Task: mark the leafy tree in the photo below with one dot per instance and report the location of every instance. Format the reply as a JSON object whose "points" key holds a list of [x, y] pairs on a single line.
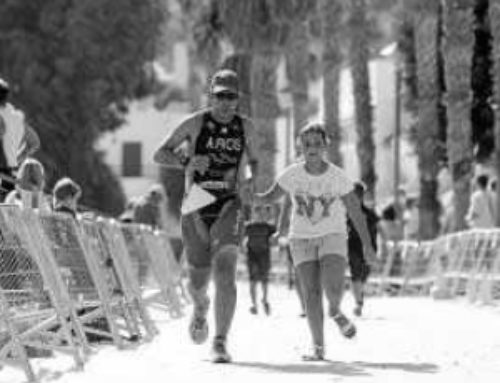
{"points": [[74, 65]]}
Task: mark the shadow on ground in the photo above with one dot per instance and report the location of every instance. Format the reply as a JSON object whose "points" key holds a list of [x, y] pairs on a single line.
{"points": [[340, 368]]}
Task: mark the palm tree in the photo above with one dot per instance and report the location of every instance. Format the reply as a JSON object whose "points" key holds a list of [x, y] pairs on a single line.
{"points": [[494, 16], [331, 13], [203, 34], [265, 110], [253, 28], [299, 17], [359, 58], [426, 23], [458, 51]]}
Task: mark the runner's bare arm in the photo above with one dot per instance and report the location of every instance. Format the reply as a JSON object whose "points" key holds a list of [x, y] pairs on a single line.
{"points": [[169, 153], [274, 193]]}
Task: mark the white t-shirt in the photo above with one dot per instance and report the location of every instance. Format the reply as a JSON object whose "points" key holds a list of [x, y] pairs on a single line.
{"points": [[14, 132], [317, 209]]}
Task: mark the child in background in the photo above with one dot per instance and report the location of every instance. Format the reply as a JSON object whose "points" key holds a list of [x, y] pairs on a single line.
{"points": [[321, 195], [257, 235], [65, 196]]}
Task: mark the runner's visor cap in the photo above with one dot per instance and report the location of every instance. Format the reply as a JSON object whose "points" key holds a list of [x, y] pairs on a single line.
{"points": [[224, 81]]}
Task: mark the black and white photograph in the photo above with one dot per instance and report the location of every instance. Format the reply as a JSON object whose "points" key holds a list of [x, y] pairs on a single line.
{"points": [[249, 191]]}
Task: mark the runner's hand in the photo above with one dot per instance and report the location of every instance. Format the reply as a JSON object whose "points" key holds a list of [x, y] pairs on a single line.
{"points": [[198, 164]]}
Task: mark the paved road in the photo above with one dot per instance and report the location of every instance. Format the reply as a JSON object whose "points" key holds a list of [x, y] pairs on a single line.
{"points": [[399, 340]]}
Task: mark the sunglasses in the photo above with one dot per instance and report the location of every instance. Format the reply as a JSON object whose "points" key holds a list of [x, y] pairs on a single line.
{"points": [[226, 96]]}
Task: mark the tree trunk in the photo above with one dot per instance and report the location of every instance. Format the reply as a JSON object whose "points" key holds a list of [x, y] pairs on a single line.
{"points": [[459, 40], [297, 60], [426, 24], [241, 63], [359, 60], [265, 110], [494, 16], [331, 18]]}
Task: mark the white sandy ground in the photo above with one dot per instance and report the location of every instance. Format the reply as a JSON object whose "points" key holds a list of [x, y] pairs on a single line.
{"points": [[399, 340]]}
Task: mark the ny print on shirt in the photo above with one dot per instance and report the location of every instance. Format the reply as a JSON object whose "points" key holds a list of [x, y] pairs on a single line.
{"points": [[316, 200]]}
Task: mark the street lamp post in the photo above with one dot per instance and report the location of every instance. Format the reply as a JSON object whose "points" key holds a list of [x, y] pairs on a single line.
{"points": [[397, 139]]}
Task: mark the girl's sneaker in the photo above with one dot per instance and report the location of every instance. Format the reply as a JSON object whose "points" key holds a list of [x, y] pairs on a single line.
{"points": [[219, 351], [346, 327], [318, 354]]}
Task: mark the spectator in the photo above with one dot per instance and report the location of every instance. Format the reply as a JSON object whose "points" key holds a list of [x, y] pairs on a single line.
{"points": [[128, 214], [411, 219], [147, 208], [482, 208], [65, 196], [17, 141], [391, 232], [30, 183]]}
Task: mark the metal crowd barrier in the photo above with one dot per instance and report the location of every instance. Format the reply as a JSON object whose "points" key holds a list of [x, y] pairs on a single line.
{"points": [[64, 281], [459, 264], [38, 312]]}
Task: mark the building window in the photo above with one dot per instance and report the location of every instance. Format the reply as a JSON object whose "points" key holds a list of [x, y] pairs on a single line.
{"points": [[132, 159]]}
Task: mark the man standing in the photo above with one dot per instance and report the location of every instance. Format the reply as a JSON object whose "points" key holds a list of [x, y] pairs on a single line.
{"points": [[17, 141], [216, 140], [482, 208]]}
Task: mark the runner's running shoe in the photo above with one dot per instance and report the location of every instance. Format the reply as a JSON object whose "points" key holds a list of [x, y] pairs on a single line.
{"points": [[198, 328]]}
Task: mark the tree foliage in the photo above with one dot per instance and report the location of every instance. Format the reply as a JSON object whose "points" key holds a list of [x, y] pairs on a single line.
{"points": [[74, 65]]}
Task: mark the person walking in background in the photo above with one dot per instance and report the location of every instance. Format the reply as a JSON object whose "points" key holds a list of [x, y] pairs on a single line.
{"points": [[216, 140], [17, 141], [65, 196], [321, 194], [482, 207], [257, 237], [360, 270]]}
